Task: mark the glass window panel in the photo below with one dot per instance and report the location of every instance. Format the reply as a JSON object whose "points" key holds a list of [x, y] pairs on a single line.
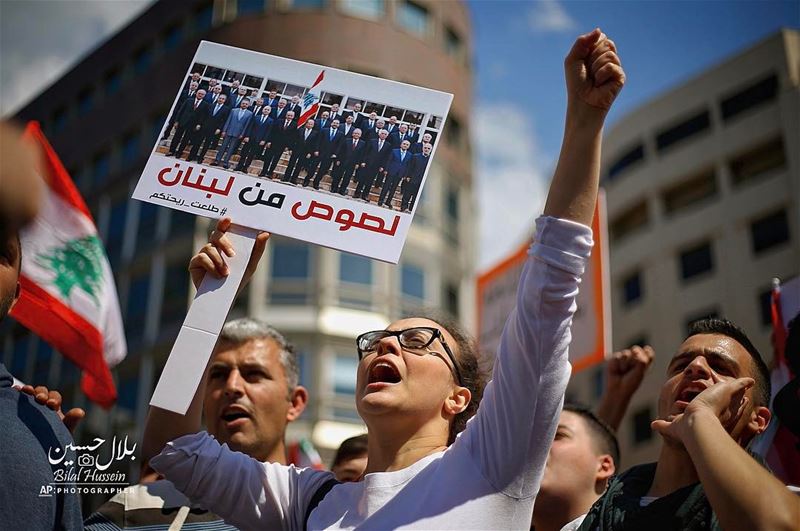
{"points": [[116, 231], [683, 131], [412, 281], [696, 261], [173, 37], [373, 9], [413, 17], [356, 269], [113, 82], [245, 7], [757, 94], [101, 168], [148, 217], [204, 17], [143, 59], [344, 375], [625, 161], [290, 261], [130, 148], [137, 307], [769, 231], [85, 101]]}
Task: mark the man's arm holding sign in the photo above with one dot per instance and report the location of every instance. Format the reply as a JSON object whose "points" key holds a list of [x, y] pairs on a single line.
{"points": [[162, 425]]}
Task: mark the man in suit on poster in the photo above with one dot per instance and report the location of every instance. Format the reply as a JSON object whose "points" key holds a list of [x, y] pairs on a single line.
{"points": [[347, 128], [241, 95], [272, 100], [411, 183], [187, 92], [396, 169], [212, 128], [279, 112], [255, 139], [258, 104], [413, 133], [358, 118], [323, 121], [190, 118], [335, 114], [378, 151], [417, 147], [330, 142], [391, 126], [232, 90], [302, 152], [213, 94], [295, 106], [232, 133], [351, 157], [282, 137], [368, 127], [194, 78], [400, 134]]}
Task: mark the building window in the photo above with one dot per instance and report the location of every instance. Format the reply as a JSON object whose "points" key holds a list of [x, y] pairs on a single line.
{"points": [[641, 425], [754, 95], [452, 43], [355, 269], [631, 220], [691, 191], [85, 100], [176, 293], [413, 17], [765, 306], [696, 261], [142, 59], [769, 231], [707, 314], [307, 4], [101, 167], [290, 261], [454, 132], [451, 299], [59, 119], [344, 375], [372, 9], [291, 272], [181, 223], [246, 7], [632, 288], [146, 232], [113, 82], [130, 148], [128, 391], [683, 131], [412, 282], [137, 307], [758, 162], [625, 161], [204, 17], [115, 234], [173, 36]]}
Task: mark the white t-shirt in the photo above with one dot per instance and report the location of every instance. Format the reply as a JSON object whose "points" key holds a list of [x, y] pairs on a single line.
{"points": [[487, 479]]}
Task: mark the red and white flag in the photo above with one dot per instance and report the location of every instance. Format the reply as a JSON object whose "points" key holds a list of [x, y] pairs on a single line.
{"points": [[311, 100], [303, 454], [778, 445], [68, 295]]}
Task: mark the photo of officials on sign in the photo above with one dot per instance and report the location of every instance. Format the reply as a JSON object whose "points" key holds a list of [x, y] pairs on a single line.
{"points": [[305, 141]]}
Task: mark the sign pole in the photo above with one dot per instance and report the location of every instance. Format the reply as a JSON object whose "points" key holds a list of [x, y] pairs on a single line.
{"points": [[198, 335]]}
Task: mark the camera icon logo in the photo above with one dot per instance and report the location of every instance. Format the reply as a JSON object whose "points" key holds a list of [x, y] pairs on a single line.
{"points": [[85, 460]]}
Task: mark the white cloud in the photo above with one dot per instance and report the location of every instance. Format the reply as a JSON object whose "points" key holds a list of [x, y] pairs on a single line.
{"points": [[549, 16], [33, 55], [512, 179]]}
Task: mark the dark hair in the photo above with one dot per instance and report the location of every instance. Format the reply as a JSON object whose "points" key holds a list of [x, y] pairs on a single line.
{"points": [[350, 449], [466, 354], [725, 327], [602, 434]]}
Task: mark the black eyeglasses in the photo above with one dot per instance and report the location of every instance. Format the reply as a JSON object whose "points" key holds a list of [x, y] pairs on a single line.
{"points": [[416, 340]]}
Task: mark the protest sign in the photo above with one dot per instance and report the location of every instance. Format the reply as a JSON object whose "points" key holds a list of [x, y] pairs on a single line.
{"points": [[347, 180], [340, 191], [591, 325]]}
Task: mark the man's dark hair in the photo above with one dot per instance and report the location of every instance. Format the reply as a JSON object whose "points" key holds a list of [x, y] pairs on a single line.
{"points": [[350, 449], [602, 434], [725, 327], [466, 354]]}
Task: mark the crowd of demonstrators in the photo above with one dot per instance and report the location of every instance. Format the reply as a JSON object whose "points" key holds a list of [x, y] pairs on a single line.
{"points": [[418, 382], [349, 147]]}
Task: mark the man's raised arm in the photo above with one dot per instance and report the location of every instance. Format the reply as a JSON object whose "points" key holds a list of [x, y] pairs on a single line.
{"points": [[594, 77]]}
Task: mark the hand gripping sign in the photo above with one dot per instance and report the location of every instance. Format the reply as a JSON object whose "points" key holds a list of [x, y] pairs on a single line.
{"points": [[310, 152]]}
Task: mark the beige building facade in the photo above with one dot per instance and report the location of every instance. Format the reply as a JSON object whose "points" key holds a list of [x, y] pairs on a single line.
{"points": [[703, 188]]}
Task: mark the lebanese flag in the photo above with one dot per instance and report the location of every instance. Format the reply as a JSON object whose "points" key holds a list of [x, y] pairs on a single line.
{"points": [[777, 444], [303, 454], [311, 101], [68, 295]]}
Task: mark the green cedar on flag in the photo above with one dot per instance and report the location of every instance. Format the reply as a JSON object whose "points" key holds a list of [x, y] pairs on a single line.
{"points": [[68, 295]]}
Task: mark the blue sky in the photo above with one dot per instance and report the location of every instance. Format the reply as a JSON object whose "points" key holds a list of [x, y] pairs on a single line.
{"points": [[519, 47], [519, 50]]}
